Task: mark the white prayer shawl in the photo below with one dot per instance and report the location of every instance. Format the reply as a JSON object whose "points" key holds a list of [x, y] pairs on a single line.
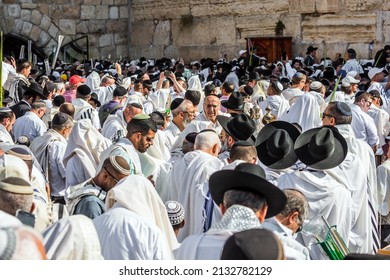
{"points": [[197, 125], [172, 132], [12, 85], [350, 174], [383, 172], [5, 137], [84, 110], [158, 149], [105, 94], [93, 81], [363, 126], [209, 245], [291, 94], [8, 72], [161, 98], [320, 100], [277, 103], [200, 166], [326, 197], [305, 112], [82, 155], [142, 199], [381, 120], [72, 238], [125, 149], [115, 126], [366, 154]]}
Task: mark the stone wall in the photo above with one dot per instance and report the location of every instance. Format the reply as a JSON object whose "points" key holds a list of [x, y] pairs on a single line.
{"points": [[220, 27], [106, 22], [197, 28]]}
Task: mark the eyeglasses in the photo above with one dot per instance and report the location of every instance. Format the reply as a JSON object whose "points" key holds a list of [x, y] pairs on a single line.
{"points": [[112, 176], [369, 102], [326, 115]]}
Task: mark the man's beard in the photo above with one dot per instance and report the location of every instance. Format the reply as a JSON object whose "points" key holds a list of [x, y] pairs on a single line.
{"points": [[186, 121]]}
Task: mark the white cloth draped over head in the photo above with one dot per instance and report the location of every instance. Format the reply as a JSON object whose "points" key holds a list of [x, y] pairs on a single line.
{"points": [[93, 81], [305, 112], [82, 154], [277, 103], [72, 238], [137, 194], [194, 83]]}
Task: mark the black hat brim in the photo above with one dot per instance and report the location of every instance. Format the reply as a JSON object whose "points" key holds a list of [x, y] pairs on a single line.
{"points": [[225, 103], [301, 148], [225, 180], [262, 150]]}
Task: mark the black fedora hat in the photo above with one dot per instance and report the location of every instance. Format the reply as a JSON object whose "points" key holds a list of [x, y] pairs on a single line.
{"points": [[310, 49], [235, 102], [275, 144], [35, 89], [248, 177], [241, 127], [321, 148]]}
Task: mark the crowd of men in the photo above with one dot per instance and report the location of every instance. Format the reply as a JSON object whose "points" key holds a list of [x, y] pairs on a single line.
{"points": [[159, 159]]}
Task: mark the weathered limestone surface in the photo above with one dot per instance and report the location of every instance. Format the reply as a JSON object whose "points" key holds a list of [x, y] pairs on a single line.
{"points": [[197, 28]]}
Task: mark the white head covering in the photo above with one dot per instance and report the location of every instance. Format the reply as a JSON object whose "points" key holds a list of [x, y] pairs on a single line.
{"points": [[305, 112], [93, 81], [86, 142], [137, 194], [72, 238]]}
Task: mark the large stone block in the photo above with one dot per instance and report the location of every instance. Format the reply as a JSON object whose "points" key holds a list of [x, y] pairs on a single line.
{"points": [[70, 12], [14, 11], [102, 12], [92, 2], [106, 40], [114, 26], [25, 15], [36, 17], [124, 12], [17, 26], [97, 26], [120, 39], [88, 12], [108, 51], [314, 6], [29, 6], [56, 11], [334, 28], [35, 32], [43, 8], [120, 2], [53, 31], [142, 33], [363, 5], [26, 29], [121, 51], [113, 12], [82, 27], [148, 52], [162, 33], [45, 23], [68, 26]]}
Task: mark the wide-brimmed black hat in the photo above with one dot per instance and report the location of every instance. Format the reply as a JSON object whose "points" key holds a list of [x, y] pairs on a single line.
{"points": [[35, 89], [235, 102], [310, 49], [275, 144], [241, 127], [321, 148], [247, 177], [95, 98]]}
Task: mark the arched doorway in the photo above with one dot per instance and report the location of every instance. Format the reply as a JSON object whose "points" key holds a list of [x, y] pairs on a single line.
{"points": [[13, 44]]}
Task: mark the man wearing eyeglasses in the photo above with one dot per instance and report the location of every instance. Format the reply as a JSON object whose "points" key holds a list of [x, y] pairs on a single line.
{"points": [[289, 222], [88, 198], [362, 124]]}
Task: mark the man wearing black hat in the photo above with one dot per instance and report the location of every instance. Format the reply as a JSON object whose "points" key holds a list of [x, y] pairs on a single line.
{"points": [[84, 110], [245, 199], [240, 127], [31, 94], [234, 105], [310, 56], [339, 114], [320, 149]]}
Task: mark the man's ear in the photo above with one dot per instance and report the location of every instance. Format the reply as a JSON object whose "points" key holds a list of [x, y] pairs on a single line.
{"points": [[293, 217], [215, 149], [32, 207]]}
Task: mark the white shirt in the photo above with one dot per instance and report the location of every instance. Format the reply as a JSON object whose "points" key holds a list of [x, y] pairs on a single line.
{"points": [[352, 65], [5, 137], [29, 125], [363, 126], [172, 132]]}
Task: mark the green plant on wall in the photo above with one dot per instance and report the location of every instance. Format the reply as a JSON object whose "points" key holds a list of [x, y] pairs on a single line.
{"points": [[279, 28]]}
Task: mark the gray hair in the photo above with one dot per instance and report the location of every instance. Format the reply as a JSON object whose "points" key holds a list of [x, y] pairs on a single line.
{"points": [[205, 140], [58, 86], [183, 107], [251, 200], [296, 202]]}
